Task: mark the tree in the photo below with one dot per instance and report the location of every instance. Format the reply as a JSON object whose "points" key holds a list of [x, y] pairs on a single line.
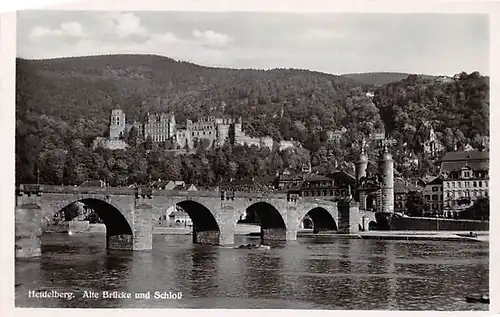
{"points": [[416, 204], [132, 137], [480, 210]]}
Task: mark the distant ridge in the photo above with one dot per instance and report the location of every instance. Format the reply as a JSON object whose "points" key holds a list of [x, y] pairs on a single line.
{"points": [[380, 78]]}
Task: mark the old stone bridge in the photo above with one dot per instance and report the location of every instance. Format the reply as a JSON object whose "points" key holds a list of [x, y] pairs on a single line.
{"points": [[130, 214]]}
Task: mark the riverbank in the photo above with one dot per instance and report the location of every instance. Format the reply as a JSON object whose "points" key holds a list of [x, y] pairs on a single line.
{"points": [[247, 230], [482, 236]]}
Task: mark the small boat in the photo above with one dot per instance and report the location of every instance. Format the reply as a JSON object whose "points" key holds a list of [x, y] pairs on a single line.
{"points": [[254, 247], [476, 298], [468, 235]]}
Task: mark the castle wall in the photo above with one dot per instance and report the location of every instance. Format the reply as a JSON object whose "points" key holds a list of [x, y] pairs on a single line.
{"points": [[159, 127], [162, 128], [112, 144]]}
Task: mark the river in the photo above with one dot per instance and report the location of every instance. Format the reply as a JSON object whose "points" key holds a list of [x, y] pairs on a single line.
{"points": [[310, 273]]}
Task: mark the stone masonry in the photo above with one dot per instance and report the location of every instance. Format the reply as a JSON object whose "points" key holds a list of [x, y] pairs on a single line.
{"points": [[129, 214]]}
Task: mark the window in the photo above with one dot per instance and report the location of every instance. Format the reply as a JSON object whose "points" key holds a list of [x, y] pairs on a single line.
{"points": [[434, 197], [459, 184], [474, 184], [428, 197], [434, 188], [480, 184]]}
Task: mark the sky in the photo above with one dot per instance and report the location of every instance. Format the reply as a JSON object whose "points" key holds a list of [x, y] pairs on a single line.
{"points": [[336, 43]]}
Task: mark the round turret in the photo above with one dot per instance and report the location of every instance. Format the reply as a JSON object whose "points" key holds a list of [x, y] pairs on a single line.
{"points": [[386, 156], [362, 158], [361, 165], [386, 171]]}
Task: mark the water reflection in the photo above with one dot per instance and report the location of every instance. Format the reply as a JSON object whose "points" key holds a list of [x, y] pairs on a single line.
{"points": [[314, 273]]}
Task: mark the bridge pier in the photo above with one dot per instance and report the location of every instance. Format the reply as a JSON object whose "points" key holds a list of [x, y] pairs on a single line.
{"points": [[223, 236], [206, 237], [28, 231], [142, 231], [120, 242], [291, 234], [349, 217], [273, 234]]}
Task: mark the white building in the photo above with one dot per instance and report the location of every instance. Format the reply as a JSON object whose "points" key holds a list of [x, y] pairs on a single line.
{"points": [[465, 179]]}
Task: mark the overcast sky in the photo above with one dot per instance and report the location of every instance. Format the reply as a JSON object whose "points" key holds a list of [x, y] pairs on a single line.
{"points": [[334, 43]]}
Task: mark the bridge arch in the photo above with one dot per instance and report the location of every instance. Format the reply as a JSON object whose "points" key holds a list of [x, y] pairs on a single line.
{"points": [[322, 220], [272, 221], [202, 217], [268, 215], [116, 223]]}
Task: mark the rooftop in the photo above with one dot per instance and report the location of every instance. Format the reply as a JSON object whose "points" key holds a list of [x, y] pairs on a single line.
{"points": [[402, 186], [455, 166], [178, 214], [465, 156]]}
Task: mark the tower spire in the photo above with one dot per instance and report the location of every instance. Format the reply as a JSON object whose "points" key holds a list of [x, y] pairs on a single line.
{"points": [[363, 146]]}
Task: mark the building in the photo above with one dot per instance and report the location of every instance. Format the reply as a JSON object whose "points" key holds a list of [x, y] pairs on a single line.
{"points": [[159, 127], [402, 188], [432, 146], [212, 129], [337, 135], [162, 127], [465, 179], [338, 185], [433, 196], [180, 217], [117, 124], [166, 185], [376, 192]]}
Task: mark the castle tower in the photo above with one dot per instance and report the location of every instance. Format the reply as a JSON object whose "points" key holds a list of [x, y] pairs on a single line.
{"points": [[386, 174], [361, 163], [172, 126], [117, 124]]}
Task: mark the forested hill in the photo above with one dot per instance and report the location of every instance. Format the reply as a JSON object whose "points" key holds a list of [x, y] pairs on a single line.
{"points": [[87, 88], [63, 104], [380, 78], [457, 108]]}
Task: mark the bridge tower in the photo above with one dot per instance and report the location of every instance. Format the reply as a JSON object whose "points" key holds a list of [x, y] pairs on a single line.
{"points": [[386, 174], [361, 163]]}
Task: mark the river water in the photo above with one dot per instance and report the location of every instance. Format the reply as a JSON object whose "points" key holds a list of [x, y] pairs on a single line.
{"points": [[310, 273]]}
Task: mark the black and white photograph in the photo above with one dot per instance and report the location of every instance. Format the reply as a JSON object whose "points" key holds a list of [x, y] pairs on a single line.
{"points": [[252, 160]]}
